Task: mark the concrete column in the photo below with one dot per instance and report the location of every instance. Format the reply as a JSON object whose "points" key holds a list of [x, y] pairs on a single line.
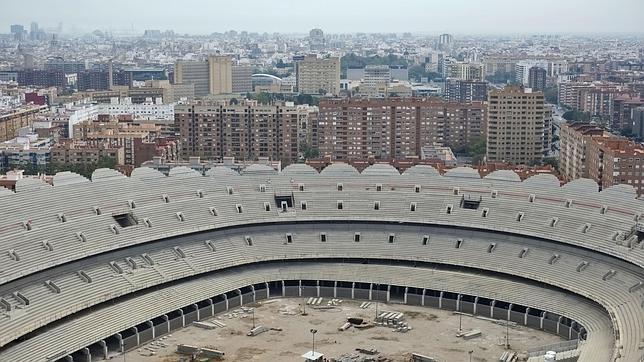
{"points": [[388, 293], [492, 308], [371, 291], [136, 333], [509, 309], [353, 287], [69, 358], [458, 302], [283, 289], [120, 339], [88, 355], [525, 319], [151, 325], [268, 291], [226, 300], [241, 300], [570, 330], [542, 319], [183, 318], [197, 309], [167, 322], [406, 290], [317, 286], [252, 289], [103, 345], [212, 307], [476, 304], [422, 299], [335, 289], [559, 323], [440, 301], [299, 289]]}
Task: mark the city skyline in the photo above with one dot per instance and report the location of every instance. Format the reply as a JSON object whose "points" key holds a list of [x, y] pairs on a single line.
{"points": [[457, 17]]}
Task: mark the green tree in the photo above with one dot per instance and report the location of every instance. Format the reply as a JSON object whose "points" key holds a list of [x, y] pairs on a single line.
{"points": [[551, 94], [576, 115], [308, 151]]}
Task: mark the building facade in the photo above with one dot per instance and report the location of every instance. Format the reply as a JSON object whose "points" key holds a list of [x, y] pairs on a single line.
{"points": [[573, 139], [537, 78], [516, 126], [360, 128], [612, 160], [246, 132], [318, 75], [457, 90]]}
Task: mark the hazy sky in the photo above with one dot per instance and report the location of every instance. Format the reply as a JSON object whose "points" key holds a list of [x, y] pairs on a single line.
{"points": [[333, 16]]}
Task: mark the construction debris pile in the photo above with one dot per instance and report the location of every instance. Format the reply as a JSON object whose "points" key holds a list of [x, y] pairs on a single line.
{"points": [[204, 352], [153, 346], [362, 355], [393, 320]]}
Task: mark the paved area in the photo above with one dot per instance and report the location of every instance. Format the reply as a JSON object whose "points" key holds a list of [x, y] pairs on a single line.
{"points": [[433, 333]]}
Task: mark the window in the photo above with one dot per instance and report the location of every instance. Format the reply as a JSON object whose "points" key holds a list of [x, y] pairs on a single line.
{"points": [[417, 188], [459, 243], [229, 190], [339, 186], [449, 209], [520, 216], [62, 218], [376, 205], [267, 206], [323, 237], [165, 198], [391, 239], [532, 197], [300, 187], [340, 205], [356, 237], [523, 253], [249, 240], [491, 247], [125, 220], [200, 194], [262, 188], [485, 212], [131, 204], [495, 194], [303, 205], [378, 187], [289, 238], [213, 211], [180, 216], [412, 207], [425, 239], [239, 208]]}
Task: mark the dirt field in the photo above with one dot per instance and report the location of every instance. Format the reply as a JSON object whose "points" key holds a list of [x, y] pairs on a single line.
{"points": [[432, 334]]}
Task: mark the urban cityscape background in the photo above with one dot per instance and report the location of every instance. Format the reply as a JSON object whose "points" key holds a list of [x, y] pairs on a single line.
{"points": [[556, 101]]}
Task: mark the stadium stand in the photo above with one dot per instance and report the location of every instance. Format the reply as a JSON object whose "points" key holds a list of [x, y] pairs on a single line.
{"points": [[566, 259]]}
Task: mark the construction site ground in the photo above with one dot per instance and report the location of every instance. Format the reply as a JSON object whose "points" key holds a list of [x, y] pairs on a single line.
{"points": [[433, 334]]}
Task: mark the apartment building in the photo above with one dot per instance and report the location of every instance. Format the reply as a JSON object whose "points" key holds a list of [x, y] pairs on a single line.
{"points": [[80, 152], [458, 90], [318, 75], [360, 128], [612, 160], [242, 81], [517, 126], [465, 71], [246, 132], [196, 73], [11, 122], [573, 141]]}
